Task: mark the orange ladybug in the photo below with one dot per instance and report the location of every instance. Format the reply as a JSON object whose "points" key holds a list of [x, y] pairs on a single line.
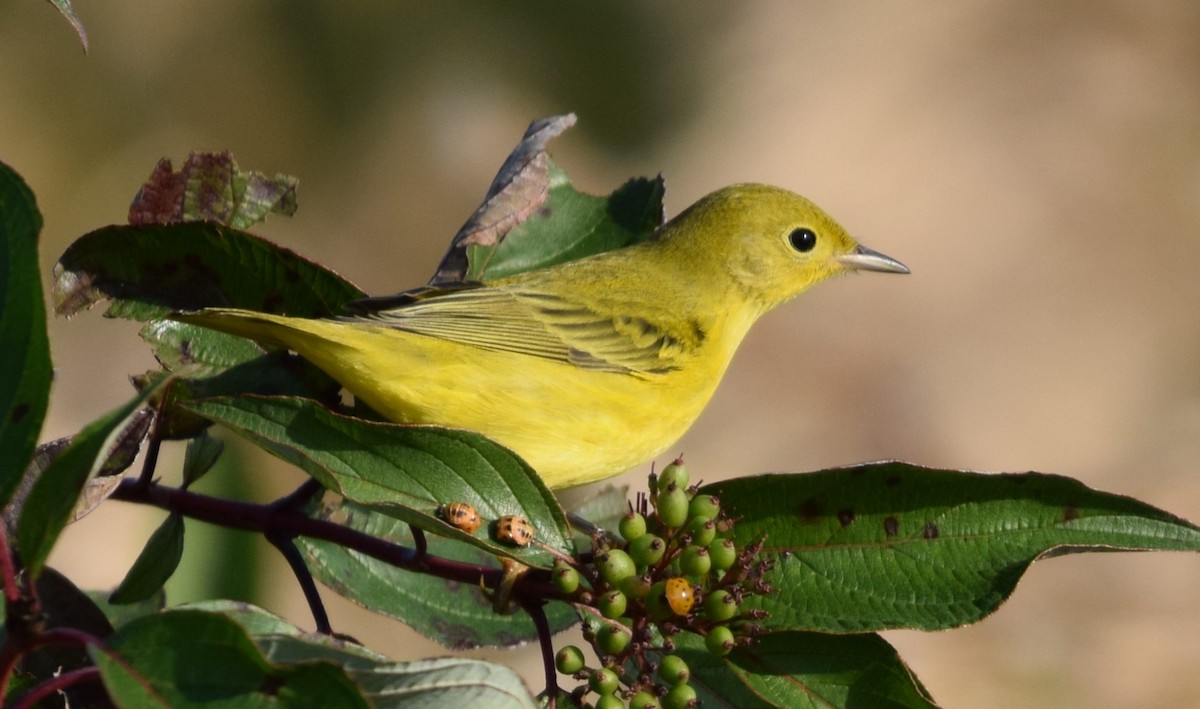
{"points": [[461, 515], [680, 595], [514, 530]]}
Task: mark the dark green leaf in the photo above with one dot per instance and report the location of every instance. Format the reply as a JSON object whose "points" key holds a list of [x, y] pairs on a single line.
{"points": [[572, 225], [406, 472], [893, 545], [25, 376], [148, 271], [120, 615], [186, 658], [456, 615], [201, 455], [797, 669], [52, 500], [211, 187], [154, 565]]}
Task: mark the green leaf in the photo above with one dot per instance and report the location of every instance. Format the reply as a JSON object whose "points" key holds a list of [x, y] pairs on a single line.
{"points": [[387, 685], [406, 472], [201, 455], [148, 271], [572, 225], [184, 658], [454, 614], [798, 669], [211, 187], [156, 563], [53, 497], [25, 376], [893, 545]]}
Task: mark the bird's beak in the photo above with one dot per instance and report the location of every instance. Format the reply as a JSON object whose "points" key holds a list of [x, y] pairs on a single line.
{"points": [[864, 259]]}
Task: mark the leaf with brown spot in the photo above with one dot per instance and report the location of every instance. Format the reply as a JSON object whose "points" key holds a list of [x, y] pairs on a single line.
{"points": [[211, 187], [533, 217], [943, 549]]}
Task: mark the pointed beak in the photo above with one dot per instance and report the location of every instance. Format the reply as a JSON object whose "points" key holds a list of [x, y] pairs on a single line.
{"points": [[864, 259]]}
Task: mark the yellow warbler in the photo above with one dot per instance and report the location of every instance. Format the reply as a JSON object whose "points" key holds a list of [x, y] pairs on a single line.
{"points": [[590, 367]]}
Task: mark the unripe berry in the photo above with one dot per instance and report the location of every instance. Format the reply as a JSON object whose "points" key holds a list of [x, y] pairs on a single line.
{"points": [[569, 660], [672, 507], [644, 700], [615, 565], [612, 604], [566, 579], [722, 553], [632, 526], [612, 640], [703, 531], [635, 587], [695, 561], [704, 506], [719, 640], [681, 696], [604, 681], [674, 474], [673, 670], [610, 701], [647, 549], [720, 606]]}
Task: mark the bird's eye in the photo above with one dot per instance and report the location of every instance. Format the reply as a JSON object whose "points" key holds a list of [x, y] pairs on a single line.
{"points": [[803, 240]]}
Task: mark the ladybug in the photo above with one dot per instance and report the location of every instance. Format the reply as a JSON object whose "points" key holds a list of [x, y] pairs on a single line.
{"points": [[460, 515], [680, 595], [514, 530]]}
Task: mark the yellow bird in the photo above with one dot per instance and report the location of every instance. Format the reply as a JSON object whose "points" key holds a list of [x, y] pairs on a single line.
{"points": [[590, 367]]}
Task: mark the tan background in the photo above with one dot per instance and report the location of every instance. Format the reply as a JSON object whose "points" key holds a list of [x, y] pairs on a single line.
{"points": [[1035, 164]]}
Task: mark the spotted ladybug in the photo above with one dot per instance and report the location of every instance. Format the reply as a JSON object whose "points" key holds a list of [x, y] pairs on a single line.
{"points": [[461, 515], [680, 595], [514, 530]]}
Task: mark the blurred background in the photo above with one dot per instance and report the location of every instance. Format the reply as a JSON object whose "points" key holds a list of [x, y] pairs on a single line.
{"points": [[1035, 164]]}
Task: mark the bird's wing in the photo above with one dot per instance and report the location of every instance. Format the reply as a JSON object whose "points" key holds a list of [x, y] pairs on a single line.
{"points": [[539, 324]]}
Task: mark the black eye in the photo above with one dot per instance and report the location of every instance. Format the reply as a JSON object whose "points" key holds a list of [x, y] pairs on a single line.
{"points": [[803, 240]]}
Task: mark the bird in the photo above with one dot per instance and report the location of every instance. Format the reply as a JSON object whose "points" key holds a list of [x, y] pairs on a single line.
{"points": [[587, 368]]}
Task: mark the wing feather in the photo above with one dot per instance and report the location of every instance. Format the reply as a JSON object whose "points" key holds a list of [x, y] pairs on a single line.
{"points": [[538, 324]]}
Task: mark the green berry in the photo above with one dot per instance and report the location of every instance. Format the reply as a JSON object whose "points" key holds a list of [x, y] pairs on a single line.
{"points": [[644, 700], [722, 553], [615, 565], [695, 561], [610, 701], [656, 602], [647, 549], [674, 474], [681, 696], [612, 639], [704, 506], [566, 579], [612, 604], [719, 640], [672, 507], [604, 681], [632, 526], [673, 670], [569, 660], [635, 587], [720, 606], [703, 531]]}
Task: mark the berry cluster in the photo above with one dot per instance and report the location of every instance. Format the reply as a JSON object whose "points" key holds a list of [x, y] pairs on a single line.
{"points": [[674, 570]]}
